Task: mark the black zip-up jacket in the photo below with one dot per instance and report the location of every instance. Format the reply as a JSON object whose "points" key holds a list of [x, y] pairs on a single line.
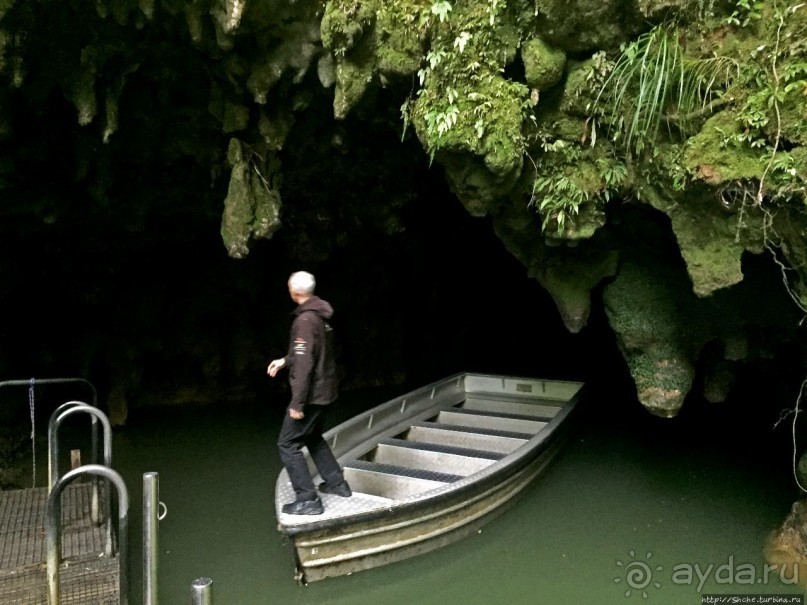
{"points": [[311, 360]]}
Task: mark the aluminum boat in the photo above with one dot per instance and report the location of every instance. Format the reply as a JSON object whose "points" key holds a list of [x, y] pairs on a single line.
{"points": [[427, 468]]}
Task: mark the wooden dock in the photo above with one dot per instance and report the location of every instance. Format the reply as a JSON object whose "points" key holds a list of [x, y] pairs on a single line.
{"points": [[87, 576]]}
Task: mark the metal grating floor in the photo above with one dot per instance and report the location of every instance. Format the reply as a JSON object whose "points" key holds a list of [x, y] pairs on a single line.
{"points": [[90, 582], [87, 578]]}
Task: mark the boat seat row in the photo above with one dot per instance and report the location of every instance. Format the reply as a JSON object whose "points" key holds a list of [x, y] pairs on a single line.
{"points": [[484, 420]]}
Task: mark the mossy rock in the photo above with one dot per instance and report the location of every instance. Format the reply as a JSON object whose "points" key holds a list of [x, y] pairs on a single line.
{"points": [[579, 95], [251, 208], [352, 80], [543, 64], [399, 44], [345, 22], [584, 26], [714, 157], [657, 319], [793, 115]]}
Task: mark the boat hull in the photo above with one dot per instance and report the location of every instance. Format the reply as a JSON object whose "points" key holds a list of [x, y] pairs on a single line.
{"points": [[404, 534], [370, 530]]}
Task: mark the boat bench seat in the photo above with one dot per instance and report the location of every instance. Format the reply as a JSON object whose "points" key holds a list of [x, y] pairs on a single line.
{"points": [[434, 457], [390, 481], [391, 469], [475, 430], [490, 420], [515, 398], [486, 440], [538, 409], [443, 449]]}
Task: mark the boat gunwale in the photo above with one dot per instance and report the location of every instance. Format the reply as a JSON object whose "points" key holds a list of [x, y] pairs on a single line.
{"points": [[481, 480]]}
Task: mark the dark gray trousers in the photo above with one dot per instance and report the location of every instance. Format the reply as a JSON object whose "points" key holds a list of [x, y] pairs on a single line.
{"points": [[294, 434]]}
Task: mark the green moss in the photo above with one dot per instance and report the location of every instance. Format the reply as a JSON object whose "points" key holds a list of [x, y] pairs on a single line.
{"points": [[352, 79], [345, 22], [714, 156], [658, 329], [793, 115], [251, 208], [399, 39], [543, 64]]}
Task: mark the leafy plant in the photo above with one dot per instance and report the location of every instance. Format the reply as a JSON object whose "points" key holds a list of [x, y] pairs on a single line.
{"points": [[567, 180], [746, 11], [654, 82], [441, 8]]}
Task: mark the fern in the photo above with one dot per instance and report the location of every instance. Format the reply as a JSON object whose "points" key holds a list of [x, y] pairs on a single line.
{"points": [[654, 82]]}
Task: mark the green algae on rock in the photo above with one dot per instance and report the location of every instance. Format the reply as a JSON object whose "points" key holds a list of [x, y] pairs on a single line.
{"points": [[252, 206]]}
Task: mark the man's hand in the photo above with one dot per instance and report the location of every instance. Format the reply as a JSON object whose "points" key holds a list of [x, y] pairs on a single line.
{"points": [[275, 367], [296, 414]]}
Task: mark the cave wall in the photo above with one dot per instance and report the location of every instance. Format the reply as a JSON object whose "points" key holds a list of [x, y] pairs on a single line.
{"points": [[147, 303]]}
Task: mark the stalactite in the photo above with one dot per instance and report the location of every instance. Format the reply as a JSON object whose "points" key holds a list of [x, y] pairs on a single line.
{"points": [[82, 95], [193, 18], [235, 9], [147, 7], [252, 205], [3, 44]]}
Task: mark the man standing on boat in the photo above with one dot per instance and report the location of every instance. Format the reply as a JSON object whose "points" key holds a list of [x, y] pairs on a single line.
{"points": [[312, 375]]}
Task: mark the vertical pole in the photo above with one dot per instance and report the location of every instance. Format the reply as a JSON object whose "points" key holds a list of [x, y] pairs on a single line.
{"points": [[95, 514], [151, 542], [202, 591], [53, 544], [75, 459]]}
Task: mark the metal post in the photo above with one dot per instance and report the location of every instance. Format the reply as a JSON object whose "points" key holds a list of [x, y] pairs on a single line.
{"points": [[151, 541], [202, 591]]}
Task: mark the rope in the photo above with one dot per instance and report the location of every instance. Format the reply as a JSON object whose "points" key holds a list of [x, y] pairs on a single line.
{"points": [[33, 430]]}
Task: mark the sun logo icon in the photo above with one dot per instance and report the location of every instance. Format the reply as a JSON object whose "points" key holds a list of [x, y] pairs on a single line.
{"points": [[638, 574]]}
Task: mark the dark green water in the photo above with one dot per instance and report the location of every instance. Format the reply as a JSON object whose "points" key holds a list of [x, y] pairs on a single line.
{"points": [[678, 496]]}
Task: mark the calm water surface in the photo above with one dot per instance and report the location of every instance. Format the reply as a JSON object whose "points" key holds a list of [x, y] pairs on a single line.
{"points": [[691, 500]]}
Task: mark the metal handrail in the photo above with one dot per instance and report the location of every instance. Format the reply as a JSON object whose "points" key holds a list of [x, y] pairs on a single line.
{"points": [[53, 536], [38, 381], [64, 411], [94, 427], [31, 384]]}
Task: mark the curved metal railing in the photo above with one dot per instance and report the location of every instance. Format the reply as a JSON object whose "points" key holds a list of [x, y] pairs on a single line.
{"points": [[59, 415], [53, 535]]}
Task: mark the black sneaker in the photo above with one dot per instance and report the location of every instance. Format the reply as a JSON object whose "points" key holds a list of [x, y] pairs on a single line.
{"points": [[304, 507], [343, 489]]}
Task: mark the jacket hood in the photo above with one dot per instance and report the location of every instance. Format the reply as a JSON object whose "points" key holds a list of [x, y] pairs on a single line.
{"points": [[316, 305]]}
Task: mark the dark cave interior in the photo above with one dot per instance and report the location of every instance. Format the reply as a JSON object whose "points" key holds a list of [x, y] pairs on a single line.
{"points": [[115, 271]]}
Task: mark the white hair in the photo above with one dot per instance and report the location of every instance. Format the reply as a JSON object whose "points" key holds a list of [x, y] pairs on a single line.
{"points": [[302, 282]]}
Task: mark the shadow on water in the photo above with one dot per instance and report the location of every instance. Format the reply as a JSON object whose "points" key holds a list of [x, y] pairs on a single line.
{"points": [[628, 492]]}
